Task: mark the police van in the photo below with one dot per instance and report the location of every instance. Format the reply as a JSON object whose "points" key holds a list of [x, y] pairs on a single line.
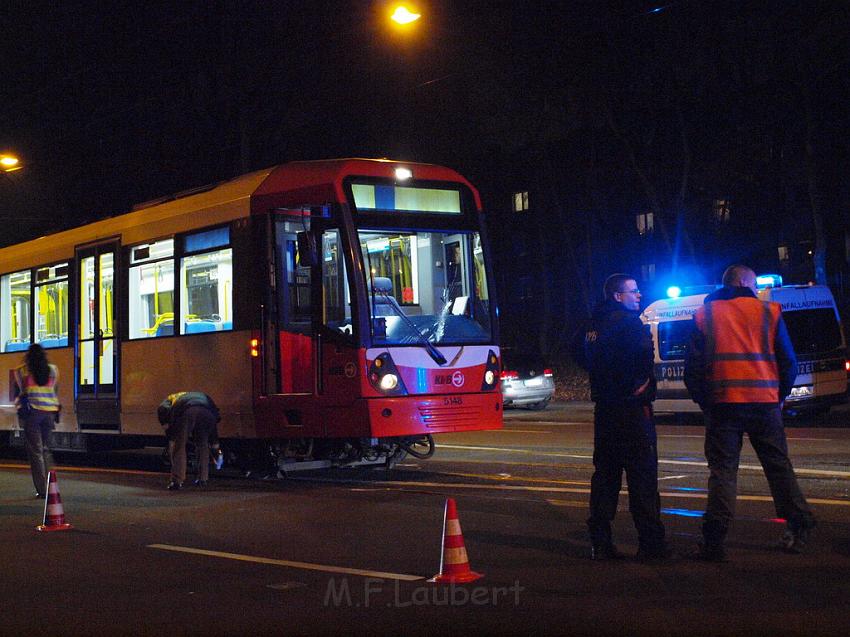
{"points": [[813, 324]]}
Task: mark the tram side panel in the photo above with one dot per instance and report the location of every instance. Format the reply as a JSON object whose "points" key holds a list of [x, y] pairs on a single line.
{"points": [[217, 363]]}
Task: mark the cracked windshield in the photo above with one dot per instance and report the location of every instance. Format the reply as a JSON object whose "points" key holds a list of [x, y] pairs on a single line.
{"points": [[426, 287]]}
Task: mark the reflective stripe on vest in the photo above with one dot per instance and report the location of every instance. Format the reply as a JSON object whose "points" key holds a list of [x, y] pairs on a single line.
{"points": [[739, 336], [41, 397]]}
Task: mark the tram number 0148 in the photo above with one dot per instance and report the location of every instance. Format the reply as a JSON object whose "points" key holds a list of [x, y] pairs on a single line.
{"points": [[671, 372], [452, 400]]}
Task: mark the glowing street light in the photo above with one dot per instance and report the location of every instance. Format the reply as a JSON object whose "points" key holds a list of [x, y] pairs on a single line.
{"points": [[403, 15], [9, 163]]}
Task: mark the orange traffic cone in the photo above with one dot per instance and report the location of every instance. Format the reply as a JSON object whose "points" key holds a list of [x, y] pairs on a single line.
{"points": [[454, 563], [54, 514]]}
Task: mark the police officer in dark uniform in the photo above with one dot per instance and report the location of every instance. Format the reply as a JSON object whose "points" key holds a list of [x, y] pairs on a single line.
{"points": [[617, 352], [185, 414]]}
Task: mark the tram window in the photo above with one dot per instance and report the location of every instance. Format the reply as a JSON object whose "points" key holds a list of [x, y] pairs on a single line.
{"points": [[336, 299], [394, 257], [151, 290], [480, 272], [51, 306], [206, 292], [15, 299]]}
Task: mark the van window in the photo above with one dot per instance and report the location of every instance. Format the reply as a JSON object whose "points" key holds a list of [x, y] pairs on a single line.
{"points": [[673, 338], [813, 331]]}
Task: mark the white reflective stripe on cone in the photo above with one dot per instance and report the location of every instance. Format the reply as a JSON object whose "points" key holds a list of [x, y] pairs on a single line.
{"points": [[455, 556]]}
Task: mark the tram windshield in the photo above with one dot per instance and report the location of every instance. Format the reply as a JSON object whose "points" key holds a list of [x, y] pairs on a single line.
{"points": [[426, 288]]}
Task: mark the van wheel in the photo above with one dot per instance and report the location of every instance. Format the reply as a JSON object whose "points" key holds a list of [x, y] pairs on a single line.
{"points": [[820, 415], [539, 406]]}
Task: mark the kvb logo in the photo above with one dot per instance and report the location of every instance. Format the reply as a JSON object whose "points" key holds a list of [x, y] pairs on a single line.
{"points": [[458, 379]]}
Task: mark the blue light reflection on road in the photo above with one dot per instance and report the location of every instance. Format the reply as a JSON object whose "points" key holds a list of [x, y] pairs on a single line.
{"points": [[688, 513]]}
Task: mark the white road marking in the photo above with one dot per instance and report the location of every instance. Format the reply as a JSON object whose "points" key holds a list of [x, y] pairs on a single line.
{"points": [[672, 477], [827, 473], [448, 486], [302, 565], [286, 586], [526, 451], [681, 435]]}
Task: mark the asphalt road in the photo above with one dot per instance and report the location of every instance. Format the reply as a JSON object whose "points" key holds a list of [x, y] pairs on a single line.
{"points": [[349, 551]]}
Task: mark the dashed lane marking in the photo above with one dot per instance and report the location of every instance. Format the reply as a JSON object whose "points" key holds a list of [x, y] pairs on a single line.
{"points": [[287, 563], [826, 473], [448, 486], [672, 477], [64, 469], [578, 504], [487, 476]]}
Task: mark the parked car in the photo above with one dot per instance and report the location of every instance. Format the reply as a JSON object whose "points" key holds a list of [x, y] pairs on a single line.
{"points": [[526, 384]]}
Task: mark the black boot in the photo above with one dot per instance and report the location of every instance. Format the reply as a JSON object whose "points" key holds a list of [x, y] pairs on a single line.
{"points": [[711, 547], [600, 551], [796, 536]]}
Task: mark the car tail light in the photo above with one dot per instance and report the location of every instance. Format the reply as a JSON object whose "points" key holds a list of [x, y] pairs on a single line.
{"points": [[847, 366], [547, 373], [509, 375]]}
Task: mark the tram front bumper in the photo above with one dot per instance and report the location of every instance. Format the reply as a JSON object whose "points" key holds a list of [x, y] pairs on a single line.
{"points": [[420, 415]]}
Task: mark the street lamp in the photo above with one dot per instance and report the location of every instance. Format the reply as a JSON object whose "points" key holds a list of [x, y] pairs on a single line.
{"points": [[9, 163], [404, 16]]}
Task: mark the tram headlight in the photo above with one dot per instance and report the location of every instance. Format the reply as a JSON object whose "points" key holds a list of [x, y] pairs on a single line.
{"points": [[389, 382], [384, 376], [491, 372]]}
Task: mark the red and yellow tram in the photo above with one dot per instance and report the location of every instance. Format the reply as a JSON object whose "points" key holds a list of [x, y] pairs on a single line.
{"points": [[338, 310]]}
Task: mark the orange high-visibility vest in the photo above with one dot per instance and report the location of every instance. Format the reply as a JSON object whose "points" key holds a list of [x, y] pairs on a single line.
{"points": [[739, 344]]}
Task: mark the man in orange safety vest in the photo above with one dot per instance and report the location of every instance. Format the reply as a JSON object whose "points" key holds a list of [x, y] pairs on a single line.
{"points": [[739, 368]]}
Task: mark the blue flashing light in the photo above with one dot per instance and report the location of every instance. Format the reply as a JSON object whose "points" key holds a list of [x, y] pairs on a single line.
{"points": [[769, 281], [674, 292]]}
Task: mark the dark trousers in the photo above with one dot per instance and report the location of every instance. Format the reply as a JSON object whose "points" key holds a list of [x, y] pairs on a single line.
{"points": [[37, 428], [624, 440], [199, 423], [725, 428]]}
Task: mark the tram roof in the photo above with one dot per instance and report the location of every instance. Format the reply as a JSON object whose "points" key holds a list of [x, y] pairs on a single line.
{"points": [[300, 182], [286, 185]]}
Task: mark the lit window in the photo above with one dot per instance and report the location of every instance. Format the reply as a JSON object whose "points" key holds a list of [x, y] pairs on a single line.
{"points": [[396, 257], [647, 272], [645, 223], [520, 201], [151, 290], [722, 211], [51, 306], [784, 254], [206, 292], [15, 296]]}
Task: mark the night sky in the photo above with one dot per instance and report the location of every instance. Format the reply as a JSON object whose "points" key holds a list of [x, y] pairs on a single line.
{"points": [[113, 103]]}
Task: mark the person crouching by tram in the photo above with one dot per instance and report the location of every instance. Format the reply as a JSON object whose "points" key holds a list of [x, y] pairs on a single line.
{"points": [[38, 407], [185, 414], [617, 351]]}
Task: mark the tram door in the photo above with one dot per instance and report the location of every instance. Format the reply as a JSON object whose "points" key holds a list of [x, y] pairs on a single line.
{"points": [[457, 276], [289, 367], [96, 347]]}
